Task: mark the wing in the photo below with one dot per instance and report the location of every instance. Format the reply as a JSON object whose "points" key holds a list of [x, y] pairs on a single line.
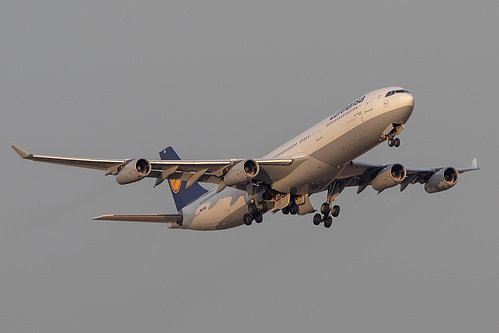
{"points": [[209, 171], [154, 218], [96, 164], [363, 174]]}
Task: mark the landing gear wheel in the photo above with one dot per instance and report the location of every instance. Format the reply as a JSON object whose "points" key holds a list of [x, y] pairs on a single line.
{"points": [[285, 210], [317, 219], [335, 211], [397, 142], [247, 219], [328, 222], [293, 209], [391, 142], [252, 209], [262, 206], [325, 209], [259, 217]]}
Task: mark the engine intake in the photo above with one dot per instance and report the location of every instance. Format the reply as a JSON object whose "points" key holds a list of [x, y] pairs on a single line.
{"points": [[390, 176], [442, 180], [242, 172], [134, 171]]}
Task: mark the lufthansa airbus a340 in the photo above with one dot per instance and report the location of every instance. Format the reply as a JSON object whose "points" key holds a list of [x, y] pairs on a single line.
{"points": [[320, 159]]}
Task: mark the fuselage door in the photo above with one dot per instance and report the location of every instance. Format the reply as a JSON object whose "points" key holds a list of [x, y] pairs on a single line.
{"points": [[369, 102], [318, 135]]}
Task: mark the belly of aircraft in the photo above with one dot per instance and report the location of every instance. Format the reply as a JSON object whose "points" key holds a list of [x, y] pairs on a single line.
{"points": [[224, 210], [325, 164]]}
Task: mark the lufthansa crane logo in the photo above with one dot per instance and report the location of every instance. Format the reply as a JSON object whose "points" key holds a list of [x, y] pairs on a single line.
{"points": [[175, 185]]}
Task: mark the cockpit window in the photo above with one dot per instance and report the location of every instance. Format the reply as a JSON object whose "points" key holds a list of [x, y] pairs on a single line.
{"points": [[393, 92]]}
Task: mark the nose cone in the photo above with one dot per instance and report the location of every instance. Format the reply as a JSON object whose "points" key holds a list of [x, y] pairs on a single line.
{"points": [[407, 100], [406, 107]]}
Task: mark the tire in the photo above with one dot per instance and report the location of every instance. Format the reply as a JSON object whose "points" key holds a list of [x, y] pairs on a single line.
{"points": [[317, 219], [259, 218], [285, 210], [397, 142], [247, 219], [252, 209], [325, 209], [328, 222], [262, 206], [335, 211], [390, 142], [294, 209]]}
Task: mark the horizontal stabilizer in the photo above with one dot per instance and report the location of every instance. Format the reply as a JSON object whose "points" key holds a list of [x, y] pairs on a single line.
{"points": [[153, 218]]}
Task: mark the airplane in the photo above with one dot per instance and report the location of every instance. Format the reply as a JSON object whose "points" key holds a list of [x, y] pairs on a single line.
{"points": [[321, 159]]}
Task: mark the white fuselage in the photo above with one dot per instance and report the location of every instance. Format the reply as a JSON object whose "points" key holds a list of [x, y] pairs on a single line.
{"points": [[319, 155]]}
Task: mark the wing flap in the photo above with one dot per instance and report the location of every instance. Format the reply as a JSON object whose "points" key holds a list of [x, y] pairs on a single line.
{"points": [[152, 218]]}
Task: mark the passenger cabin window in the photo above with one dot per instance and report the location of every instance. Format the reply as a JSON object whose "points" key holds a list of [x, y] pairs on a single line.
{"points": [[399, 91]]}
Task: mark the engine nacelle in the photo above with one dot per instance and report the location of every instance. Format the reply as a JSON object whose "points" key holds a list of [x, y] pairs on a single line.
{"points": [[390, 176], [134, 171], [442, 180], [241, 172]]}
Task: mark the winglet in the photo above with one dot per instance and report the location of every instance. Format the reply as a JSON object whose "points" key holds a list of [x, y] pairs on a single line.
{"points": [[21, 153], [474, 164]]}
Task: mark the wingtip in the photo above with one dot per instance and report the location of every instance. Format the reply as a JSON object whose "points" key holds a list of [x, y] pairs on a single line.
{"points": [[474, 164], [23, 154]]}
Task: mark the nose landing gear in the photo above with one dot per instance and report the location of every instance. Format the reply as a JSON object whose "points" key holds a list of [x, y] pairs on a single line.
{"points": [[394, 142], [391, 136]]}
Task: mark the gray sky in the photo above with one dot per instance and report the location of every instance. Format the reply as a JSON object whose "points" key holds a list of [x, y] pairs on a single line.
{"points": [[221, 79]]}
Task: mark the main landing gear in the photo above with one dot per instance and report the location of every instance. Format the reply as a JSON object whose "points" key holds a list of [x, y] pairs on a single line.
{"points": [[325, 217], [255, 212], [291, 209], [334, 189]]}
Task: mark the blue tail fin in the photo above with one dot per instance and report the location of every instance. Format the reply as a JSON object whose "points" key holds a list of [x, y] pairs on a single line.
{"points": [[182, 196]]}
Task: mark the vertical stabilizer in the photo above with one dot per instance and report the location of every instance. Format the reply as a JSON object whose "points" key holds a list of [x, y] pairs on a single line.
{"points": [[181, 195]]}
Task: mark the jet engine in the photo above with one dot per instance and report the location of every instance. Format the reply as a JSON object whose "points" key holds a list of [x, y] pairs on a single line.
{"points": [[134, 171], [442, 180], [390, 176], [241, 172]]}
